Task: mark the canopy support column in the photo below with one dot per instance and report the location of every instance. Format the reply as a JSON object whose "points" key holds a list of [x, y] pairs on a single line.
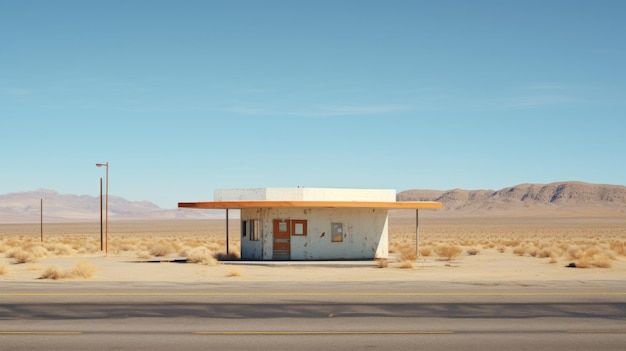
{"points": [[227, 246], [417, 233]]}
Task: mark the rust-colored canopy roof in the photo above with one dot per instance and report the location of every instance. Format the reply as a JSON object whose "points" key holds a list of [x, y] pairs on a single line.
{"points": [[312, 204]]}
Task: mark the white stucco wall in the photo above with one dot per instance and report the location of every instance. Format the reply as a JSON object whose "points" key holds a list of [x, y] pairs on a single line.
{"points": [[304, 194], [365, 233]]}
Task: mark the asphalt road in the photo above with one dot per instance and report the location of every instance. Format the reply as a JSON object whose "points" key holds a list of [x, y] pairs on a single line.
{"points": [[328, 316]]}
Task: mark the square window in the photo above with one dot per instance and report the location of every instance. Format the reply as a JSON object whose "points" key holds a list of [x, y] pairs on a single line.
{"points": [[251, 228], [336, 232], [298, 227], [282, 227]]}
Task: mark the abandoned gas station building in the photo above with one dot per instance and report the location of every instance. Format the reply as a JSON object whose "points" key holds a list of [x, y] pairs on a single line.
{"points": [[312, 223]]}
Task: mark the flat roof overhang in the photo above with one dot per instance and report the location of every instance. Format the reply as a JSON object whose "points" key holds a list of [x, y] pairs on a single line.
{"points": [[408, 205]]}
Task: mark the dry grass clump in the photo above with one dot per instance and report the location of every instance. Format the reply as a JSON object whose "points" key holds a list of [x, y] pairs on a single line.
{"points": [[21, 256], [234, 272], [407, 253], [144, 255], [81, 270], [510, 243], [39, 251], [52, 272], [161, 249], [382, 262], [592, 256], [60, 249], [520, 250], [201, 255], [619, 247], [472, 251], [426, 251], [448, 251], [4, 269]]}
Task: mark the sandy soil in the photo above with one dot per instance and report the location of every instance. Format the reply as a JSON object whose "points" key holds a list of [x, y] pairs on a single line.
{"points": [[495, 263], [491, 266]]}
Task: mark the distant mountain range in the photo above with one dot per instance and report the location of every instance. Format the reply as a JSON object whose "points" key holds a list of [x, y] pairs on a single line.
{"points": [[569, 199], [554, 199], [25, 207]]}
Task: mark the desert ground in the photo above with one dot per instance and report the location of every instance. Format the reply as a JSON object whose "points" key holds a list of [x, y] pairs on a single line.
{"points": [[498, 249]]}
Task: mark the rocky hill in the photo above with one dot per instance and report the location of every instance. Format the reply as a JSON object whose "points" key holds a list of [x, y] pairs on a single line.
{"points": [[25, 207], [562, 198], [569, 199]]}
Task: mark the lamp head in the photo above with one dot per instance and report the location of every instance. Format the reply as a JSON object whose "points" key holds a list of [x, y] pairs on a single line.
{"points": [[102, 164]]}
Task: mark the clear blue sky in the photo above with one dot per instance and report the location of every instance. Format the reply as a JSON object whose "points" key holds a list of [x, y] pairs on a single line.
{"points": [[183, 97]]}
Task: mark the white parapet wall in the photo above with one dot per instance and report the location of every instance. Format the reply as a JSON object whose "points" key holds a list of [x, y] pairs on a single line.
{"points": [[305, 194]]}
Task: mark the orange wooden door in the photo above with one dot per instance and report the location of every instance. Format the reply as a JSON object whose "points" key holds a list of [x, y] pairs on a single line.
{"points": [[282, 239]]}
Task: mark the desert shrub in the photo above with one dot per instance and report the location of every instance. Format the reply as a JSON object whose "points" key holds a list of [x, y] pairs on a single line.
{"points": [[511, 243], [4, 269], [382, 262], [201, 255], [544, 252], [426, 251], [89, 248], [602, 261], [554, 258], [144, 255], [60, 249], [619, 247], [575, 253], [215, 247], [472, 251], [21, 256], [520, 250], [448, 251], [592, 251], [127, 246], [161, 249], [407, 253], [593, 257], [39, 251], [82, 269], [52, 272]]}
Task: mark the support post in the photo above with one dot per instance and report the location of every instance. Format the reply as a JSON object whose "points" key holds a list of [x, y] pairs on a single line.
{"points": [[41, 219], [417, 233], [106, 248], [227, 249], [101, 232]]}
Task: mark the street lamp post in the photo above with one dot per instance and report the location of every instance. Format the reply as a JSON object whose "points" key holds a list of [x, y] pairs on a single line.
{"points": [[101, 236], [107, 205]]}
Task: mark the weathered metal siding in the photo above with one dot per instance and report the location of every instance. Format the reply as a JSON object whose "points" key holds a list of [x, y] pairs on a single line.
{"points": [[251, 249], [365, 233]]}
